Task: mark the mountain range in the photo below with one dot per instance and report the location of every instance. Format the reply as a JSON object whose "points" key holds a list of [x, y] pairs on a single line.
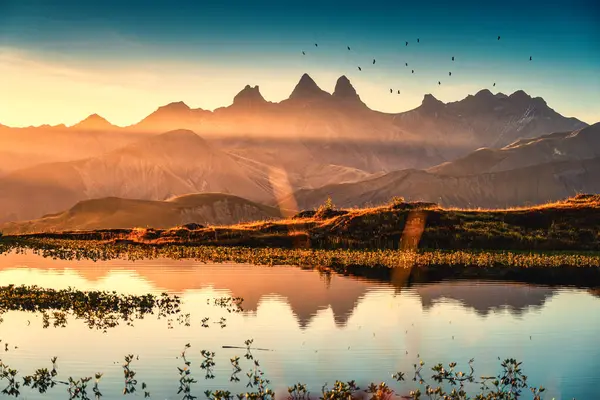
{"points": [[486, 150], [524, 173]]}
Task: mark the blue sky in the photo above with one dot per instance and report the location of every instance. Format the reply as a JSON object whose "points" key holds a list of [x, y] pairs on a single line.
{"points": [[122, 59]]}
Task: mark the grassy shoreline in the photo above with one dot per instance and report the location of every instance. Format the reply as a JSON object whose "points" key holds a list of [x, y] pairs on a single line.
{"points": [[557, 243], [568, 225], [561, 268]]}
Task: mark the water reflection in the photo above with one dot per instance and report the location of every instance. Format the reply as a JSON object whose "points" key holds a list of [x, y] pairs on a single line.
{"points": [[320, 327]]}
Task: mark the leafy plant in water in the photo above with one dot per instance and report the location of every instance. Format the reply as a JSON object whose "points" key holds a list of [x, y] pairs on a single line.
{"points": [[508, 385], [185, 378], [340, 391], [42, 379], [235, 363], [248, 354], [298, 392], [78, 388], [380, 391], [10, 374], [100, 310], [129, 375], [208, 363]]}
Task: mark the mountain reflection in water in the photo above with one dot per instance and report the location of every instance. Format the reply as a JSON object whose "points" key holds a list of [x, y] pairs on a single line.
{"points": [[321, 327]]}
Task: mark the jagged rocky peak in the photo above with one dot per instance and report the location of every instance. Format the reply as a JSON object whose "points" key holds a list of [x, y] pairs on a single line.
{"points": [[249, 96], [344, 89], [431, 103], [308, 89]]}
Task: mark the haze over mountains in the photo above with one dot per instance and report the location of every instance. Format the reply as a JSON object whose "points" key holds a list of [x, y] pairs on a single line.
{"points": [[116, 213], [302, 149]]}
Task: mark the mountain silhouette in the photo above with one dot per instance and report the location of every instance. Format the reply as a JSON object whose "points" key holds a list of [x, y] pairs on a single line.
{"points": [[94, 123], [307, 89], [308, 141]]}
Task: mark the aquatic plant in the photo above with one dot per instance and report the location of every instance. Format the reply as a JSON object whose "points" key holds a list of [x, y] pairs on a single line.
{"points": [[554, 267], [129, 376], [208, 363], [185, 378], [339, 391], [446, 383], [98, 309]]}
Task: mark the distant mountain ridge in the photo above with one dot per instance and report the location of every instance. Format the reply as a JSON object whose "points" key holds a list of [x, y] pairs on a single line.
{"points": [[155, 168], [264, 151], [113, 213]]}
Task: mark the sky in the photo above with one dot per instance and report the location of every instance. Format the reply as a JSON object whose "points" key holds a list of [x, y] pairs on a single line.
{"points": [[61, 61]]}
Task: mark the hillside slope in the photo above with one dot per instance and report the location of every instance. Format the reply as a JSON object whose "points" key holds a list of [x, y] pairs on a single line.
{"points": [[155, 168], [117, 213]]}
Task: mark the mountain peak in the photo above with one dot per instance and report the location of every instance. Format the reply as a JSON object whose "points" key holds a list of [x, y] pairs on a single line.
{"points": [[344, 89], [484, 93], [308, 89], [175, 107], [249, 96], [431, 103], [93, 122], [520, 95]]}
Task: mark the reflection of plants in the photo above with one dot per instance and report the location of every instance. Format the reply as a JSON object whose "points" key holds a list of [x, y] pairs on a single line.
{"points": [[510, 384], [42, 379], [208, 363], [248, 354], [10, 374], [338, 259], [78, 388], [99, 309], [231, 304], [235, 363], [185, 378], [129, 375]]}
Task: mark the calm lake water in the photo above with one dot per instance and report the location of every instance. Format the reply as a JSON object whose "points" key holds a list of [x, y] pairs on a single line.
{"points": [[320, 328]]}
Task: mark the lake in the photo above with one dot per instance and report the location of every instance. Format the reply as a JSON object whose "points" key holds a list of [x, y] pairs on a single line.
{"points": [[317, 328]]}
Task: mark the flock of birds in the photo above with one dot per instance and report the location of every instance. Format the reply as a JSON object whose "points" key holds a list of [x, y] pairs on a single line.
{"points": [[406, 64]]}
